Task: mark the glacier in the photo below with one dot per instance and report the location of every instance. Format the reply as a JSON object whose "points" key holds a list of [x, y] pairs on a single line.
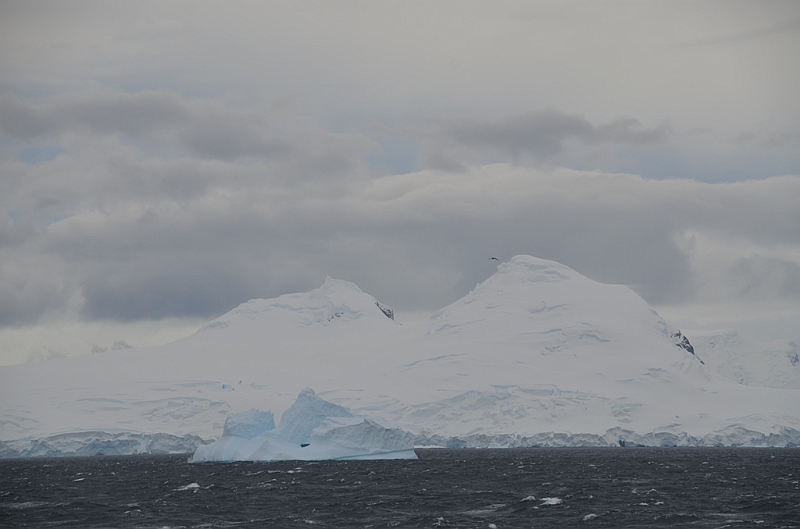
{"points": [[311, 429], [536, 355], [99, 443]]}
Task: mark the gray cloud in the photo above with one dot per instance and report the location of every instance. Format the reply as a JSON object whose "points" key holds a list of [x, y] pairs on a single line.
{"points": [[190, 207], [32, 286], [764, 278], [539, 135], [763, 212], [158, 286], [792, 25], [628, 130], [117, 146], [167, 161], [415, 241], [166, 125], [150, 195], [105, 113]]}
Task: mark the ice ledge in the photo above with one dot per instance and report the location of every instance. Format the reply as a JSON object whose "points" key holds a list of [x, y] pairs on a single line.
{"points": [[732, 436], [99, 443], [127, 443]]}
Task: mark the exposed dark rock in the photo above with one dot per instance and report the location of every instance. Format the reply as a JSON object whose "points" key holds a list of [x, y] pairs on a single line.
{"points": [[683, 342], [386, 310]]}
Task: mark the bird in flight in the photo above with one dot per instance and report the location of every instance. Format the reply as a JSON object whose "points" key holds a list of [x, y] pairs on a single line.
{"points": [[494, 258]]}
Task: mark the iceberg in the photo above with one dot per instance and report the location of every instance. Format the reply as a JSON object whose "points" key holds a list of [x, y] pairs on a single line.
{"points": [[312, 429]]}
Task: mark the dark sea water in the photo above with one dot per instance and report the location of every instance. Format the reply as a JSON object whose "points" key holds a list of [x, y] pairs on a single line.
{"points": [[575, 487]]}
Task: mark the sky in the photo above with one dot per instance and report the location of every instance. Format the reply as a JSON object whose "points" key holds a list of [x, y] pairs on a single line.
{"points": [[162, 162]]}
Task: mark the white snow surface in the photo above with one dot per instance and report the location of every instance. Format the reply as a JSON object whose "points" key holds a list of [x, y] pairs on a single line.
{"points": [[774, 365], [536, 355], [312, 429]]}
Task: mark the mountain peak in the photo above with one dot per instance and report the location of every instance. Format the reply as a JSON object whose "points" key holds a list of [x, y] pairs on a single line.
{"points": [[531, 269], [334, 300], [550, 304], [331, 285]]}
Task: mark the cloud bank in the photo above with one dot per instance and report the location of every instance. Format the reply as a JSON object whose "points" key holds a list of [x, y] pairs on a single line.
{"points": [[161, 164], [158, 206]]}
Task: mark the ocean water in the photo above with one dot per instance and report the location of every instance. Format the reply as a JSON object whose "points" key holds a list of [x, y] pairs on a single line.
{"points": [[544, 487]]}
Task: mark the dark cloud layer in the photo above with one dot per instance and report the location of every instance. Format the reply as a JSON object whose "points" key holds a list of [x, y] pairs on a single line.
{"points": [[163, 159], [159, 206], [539, 136], [764, 278], [162, 123]]}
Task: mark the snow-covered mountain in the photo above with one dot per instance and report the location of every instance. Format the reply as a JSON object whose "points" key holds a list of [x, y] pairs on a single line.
{"points": [[535, 355]]}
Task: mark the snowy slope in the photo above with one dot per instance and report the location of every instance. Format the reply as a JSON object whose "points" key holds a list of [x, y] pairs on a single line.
{"points": [[539, 348], [536, 354], [774, 365]]}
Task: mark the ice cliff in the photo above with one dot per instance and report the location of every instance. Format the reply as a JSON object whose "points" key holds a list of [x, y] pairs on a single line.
{"points": [[535, 355], [99, 443]]}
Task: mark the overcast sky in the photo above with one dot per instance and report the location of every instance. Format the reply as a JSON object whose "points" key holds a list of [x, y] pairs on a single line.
{"points": [[162, 162]]}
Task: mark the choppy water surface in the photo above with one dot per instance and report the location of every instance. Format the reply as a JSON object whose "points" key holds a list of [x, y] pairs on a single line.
{"points": [[626, 487]]}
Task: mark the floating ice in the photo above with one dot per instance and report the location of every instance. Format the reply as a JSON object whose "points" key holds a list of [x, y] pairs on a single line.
{"points": [[551, 501]]}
